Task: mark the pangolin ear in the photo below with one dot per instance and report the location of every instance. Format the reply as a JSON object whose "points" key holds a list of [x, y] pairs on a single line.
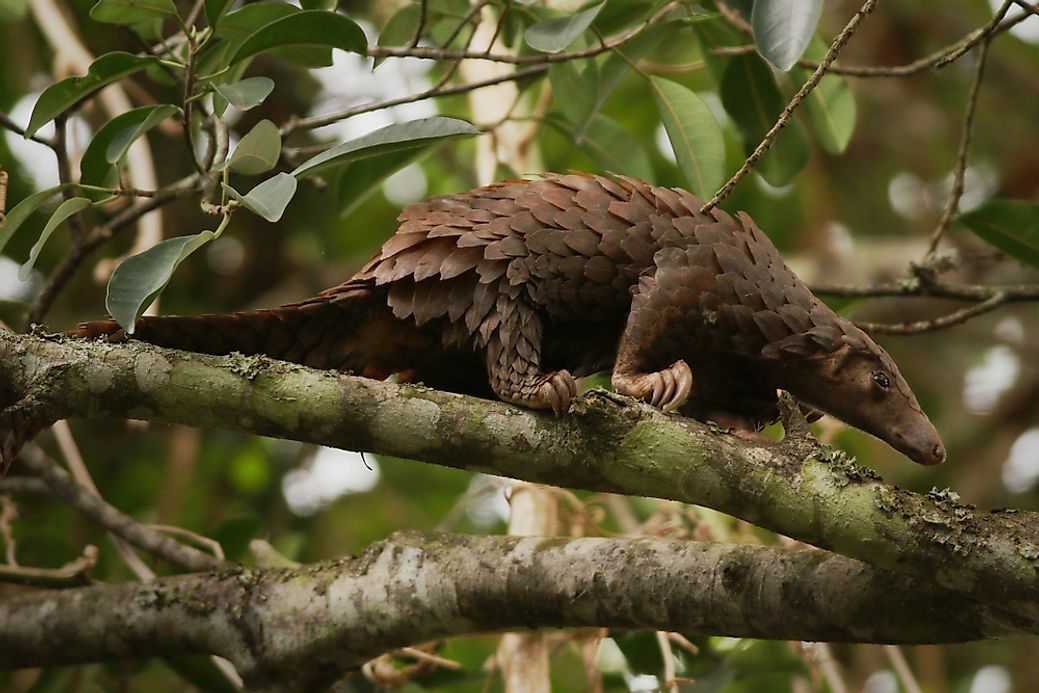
{"points": [[796, 345], [818, 341], [856, 342]]}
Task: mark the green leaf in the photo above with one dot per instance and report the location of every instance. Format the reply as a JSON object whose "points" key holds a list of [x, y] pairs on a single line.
{"points": [[716, 34], [359, 179], [1010, 225], [695, 136], [153, 115], [783, 28], [239, 25], [573, 92], [215, 10], [270, 198], [111, 142], [247, 93], [610, 146], [751, 97], [553, 35], [65, 210], [139, 278], [13, 10], [130, 11], [22, 211], [830, 106], [258, 151], [617, 65], [305, 30], [63, 95], [397, 137], [400, 29]]}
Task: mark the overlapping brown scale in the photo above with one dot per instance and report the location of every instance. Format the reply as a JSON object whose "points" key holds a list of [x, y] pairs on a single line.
{"points": [[460, 260]]}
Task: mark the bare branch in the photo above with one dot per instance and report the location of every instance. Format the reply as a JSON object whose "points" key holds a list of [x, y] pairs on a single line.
{"points": [[784, 117], [8, 124], [110, 518], [936, 60], [956, 318], [76, 572], [1012, 293], [427, 586], [435, 92], [960, 171]]}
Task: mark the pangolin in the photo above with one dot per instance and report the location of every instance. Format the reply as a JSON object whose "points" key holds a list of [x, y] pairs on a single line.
{"points": [[514, 289]]}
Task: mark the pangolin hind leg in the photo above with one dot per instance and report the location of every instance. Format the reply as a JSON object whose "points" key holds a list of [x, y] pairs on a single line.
{"points": [[648, 340], [512, 340]]}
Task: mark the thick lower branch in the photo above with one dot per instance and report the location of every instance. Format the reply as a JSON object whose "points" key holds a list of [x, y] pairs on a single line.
{"points": [[275, 624], [604, 444]]}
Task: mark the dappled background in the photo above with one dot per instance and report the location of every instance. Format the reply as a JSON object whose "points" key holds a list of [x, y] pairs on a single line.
{"points": [[858, 217]]}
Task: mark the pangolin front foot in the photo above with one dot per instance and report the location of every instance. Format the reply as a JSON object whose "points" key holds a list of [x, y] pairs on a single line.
{"points": [[545, 391], [667, 389]]}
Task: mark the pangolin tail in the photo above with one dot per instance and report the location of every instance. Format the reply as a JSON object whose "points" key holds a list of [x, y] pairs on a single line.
{"points": [[349, 328]]}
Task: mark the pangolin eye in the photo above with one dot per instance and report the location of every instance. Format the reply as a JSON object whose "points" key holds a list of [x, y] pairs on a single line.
{"points": [[881, 379]]}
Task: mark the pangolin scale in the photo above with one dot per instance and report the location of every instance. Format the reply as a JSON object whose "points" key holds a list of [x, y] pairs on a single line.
{"points": [[514, 289]]}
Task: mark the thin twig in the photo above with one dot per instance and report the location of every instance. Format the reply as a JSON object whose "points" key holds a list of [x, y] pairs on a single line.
{"points": [[110, 518], [81, 475], [189, 102], [473, 11], [784, 117], [436, 53], [936, 60], [4, 178], [429, 657], [196, 12], [8, 514], [65, 173], [212, 545], [8, 124], [902, 670], [24, 486], [956, 318], [960, 172], [79, 252], [506, 8], [539, 65], [435, 92], [71, 574], [669, 662], [1013, 293], [423, 12], [734, 18]]}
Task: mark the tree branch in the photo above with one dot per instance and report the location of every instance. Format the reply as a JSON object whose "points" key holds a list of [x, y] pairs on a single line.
{"points": [[936, 60], [1012, 293], [766, 142], [93, 506], [414, 587], [955, 318], [960, 172], [796, 488]]}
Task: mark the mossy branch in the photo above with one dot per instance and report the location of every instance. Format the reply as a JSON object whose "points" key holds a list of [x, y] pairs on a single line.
{"points": [[301, 628], [605, 443]]}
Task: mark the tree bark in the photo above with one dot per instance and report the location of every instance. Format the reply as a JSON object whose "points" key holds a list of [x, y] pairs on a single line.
{"points": [[300, 628], [604, 443]]}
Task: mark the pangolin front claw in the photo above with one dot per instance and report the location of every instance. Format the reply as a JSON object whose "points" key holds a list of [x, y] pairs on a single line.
{"points": [[667, 389]]}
